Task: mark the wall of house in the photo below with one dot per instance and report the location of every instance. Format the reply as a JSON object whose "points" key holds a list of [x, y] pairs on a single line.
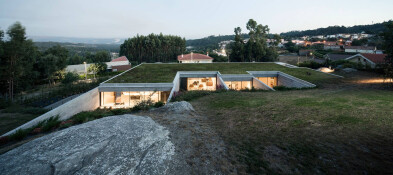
{"points": [[292, 82], [85, 102], [257, 84]]}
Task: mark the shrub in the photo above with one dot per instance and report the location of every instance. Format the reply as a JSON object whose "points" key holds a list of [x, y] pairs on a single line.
{"points": [[311, 64], [4, 140], [4, 103], [70, 77], [24, 110], [19, 135], [159, 104], [143, 105], [120, 111], [50, 124]]}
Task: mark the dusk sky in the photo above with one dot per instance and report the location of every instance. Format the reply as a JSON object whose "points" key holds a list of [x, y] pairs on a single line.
{"points": [[190, 19]]}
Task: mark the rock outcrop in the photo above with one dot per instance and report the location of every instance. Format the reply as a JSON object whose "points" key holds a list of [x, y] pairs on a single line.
{"points": [[125, 144]]}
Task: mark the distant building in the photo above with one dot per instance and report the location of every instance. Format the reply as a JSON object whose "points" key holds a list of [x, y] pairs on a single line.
{"points": [[331, 45], [194, 58], [362, 49], [336, 57], [368, 59], [305, 52], [118, 64]]}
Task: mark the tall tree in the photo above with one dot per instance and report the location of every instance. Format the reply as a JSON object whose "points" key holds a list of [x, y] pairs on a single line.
{"points": [[256, 48], [153, 48], [387, 36], [17, 60], [102, 56]]}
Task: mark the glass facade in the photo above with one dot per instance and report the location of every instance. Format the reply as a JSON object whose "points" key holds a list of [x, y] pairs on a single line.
{"points": [[207, 84], [131, 98], [270, 81], [239, 85]]}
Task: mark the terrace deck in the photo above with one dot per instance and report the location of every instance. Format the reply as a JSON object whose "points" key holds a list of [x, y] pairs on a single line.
{"points": [[165, 73]]}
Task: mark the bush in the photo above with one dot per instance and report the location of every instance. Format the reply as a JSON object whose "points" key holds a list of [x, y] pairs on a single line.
{"points": [[143, 105], [120, 111], [24, 110], [19, 135], [51, 124], [311, 64], [159, 104], [70, 77], [4, 103]]}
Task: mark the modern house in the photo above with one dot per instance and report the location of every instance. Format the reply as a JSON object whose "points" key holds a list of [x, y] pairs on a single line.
{"points": [[194, 58], [362, 49], [368, 59], [118, 64], [130, 88]]}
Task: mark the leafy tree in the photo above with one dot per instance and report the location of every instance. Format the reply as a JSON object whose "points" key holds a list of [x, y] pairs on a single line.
{"points": [[237, 48], [218, 58], [17, 60], [256, 48], [102, 56], [70, 77], [387, 36], [97, 68], [49, 68], [360, 42], [290, 46], [153, 48]]}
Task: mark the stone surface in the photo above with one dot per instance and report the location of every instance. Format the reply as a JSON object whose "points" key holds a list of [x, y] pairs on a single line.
{"points": [[124, 144]]}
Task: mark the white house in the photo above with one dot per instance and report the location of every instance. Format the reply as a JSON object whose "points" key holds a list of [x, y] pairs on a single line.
{"points": [[362, 49], [368, 59], [194, 58]]}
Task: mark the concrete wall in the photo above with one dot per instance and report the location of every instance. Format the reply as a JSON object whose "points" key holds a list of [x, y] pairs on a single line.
{"points": [[257, 84], [176, 86], [220, 82], [292, 82], [85, 102]]}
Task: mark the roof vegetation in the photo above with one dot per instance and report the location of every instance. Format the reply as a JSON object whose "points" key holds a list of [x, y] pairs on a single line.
{"points": [[165, 73]]}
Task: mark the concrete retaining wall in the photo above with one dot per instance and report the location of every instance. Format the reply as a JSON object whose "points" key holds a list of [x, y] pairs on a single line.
{"points": [[257, 84], [85, 102], [176, 86], [292, 82], [220, 81]]}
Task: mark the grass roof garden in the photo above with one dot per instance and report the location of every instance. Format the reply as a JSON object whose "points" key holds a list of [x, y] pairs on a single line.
{"points": [[165, 73]]}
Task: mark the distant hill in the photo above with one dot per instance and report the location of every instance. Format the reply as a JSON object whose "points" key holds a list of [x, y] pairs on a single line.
{"points": [[370, 29], [77, 40], [210, 42], [79, 48]]}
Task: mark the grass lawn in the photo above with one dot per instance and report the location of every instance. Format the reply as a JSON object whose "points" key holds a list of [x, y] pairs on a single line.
{"points": [[165, 73], [9, 121], [314, 131]]}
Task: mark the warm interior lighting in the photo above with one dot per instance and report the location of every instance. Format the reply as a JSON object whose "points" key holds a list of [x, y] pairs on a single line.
{"points": [[326, 70], [375, 81]]}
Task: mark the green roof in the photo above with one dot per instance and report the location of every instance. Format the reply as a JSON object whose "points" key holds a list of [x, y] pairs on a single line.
{"points": [[165, 73]]}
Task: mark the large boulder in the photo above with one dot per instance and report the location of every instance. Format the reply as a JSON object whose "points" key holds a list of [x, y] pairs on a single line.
{"points": [[124, 144]]}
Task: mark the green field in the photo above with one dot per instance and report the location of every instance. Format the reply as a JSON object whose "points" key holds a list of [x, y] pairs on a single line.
{"points": [[340, 129], [165, 73]]}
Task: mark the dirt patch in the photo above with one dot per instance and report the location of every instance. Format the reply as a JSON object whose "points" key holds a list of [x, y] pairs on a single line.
{"points": [[198, 146]]}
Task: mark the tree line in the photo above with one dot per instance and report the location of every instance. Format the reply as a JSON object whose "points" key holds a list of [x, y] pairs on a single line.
{"points": [[153, 48], [331, 30], [256, 48], [23, 65]]}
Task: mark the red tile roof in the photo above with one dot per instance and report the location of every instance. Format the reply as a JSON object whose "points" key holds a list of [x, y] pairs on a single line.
{"points": [[376, 58], [123, 58], [195, 56]]}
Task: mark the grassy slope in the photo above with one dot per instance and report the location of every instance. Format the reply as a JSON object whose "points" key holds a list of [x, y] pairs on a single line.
{"points": [[308, 131], [163, 73]]}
